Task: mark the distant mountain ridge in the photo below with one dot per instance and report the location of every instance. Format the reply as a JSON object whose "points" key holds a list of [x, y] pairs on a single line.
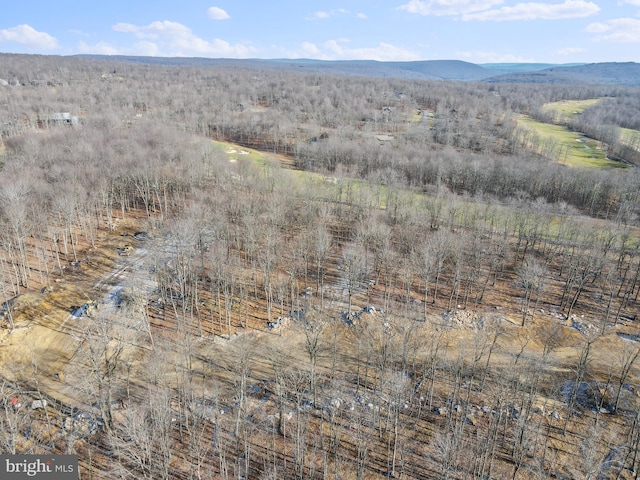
{"points": [[417, 70], [626, 73], [610, 73], [524, 67]]}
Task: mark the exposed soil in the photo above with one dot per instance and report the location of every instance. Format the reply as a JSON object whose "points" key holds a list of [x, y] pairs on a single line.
{"points": [[52, 325]]}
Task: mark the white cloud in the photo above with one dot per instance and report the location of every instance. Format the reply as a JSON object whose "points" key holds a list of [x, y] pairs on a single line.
{"points": [[216, 13], [334, 50], [100, 48], [174, 39], [28, 36], [143, 48], [537, 11], [361, 16], [448, 7], [570, 50], [633, 2], [78, 32], [492, 57], [597, 28], [322, 15], [619, 30], [155, 30], [309, 50]]}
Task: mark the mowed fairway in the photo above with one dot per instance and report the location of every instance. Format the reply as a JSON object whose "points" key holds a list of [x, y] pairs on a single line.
{"points": [[300, 182], [565, 109], [630, 138], [570, 108], [568, 147]]}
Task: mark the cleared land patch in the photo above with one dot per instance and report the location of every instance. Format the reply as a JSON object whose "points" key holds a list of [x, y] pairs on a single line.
{"points": [[565, 109], [565, 146], [222, 352], [570, 108], [630, 137]]}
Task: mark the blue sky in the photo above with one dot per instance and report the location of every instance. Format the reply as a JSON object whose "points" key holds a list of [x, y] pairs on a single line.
{"points": [[479, 31]]}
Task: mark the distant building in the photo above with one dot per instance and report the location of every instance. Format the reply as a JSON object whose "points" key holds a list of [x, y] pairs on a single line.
{"points": [[384, 138], [63, 118]]}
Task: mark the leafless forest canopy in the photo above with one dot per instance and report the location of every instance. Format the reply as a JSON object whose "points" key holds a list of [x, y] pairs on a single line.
{"points": [[242, 273]]}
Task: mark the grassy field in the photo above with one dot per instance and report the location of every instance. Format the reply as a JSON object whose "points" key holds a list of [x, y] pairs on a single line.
{"points": [[568, 147], [630, 137], [570, 108], [371, 195], [566, 109], [235, 152], [344, 189], [422, 116]]}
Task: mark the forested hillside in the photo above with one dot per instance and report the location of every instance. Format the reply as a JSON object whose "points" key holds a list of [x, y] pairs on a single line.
{"points": [[610, 73], [218, 272]]}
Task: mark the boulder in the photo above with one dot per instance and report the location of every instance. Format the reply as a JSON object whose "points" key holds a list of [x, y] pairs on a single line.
{"points": [[38, 404]]}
